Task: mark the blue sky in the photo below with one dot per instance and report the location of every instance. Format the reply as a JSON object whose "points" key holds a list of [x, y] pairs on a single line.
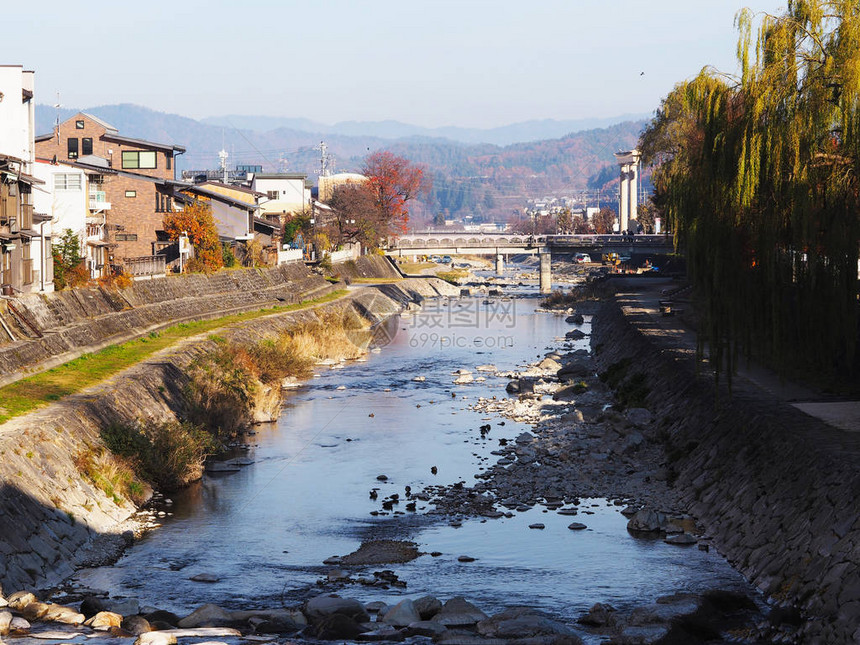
{"points": [[471, 63]]}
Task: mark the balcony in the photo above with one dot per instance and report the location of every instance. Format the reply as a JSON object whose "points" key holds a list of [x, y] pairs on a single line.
{"points": [[98, 201]]}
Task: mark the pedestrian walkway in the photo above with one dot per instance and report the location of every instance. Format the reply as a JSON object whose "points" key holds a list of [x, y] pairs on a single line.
{"points": [[640, 298]]}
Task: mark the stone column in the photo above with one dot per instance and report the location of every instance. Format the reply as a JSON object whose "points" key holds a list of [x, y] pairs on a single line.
{"points": [[632, 183], [545, 273], [500, 264], [624, 206]]}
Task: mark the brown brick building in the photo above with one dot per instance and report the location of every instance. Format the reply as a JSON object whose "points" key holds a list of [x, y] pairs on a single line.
{"points": [[129, 177]]}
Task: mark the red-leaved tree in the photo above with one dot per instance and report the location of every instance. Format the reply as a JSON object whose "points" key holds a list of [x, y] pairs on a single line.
{"points": [[394, 181]]}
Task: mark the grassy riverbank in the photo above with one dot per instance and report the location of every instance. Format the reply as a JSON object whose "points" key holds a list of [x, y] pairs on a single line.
{"points": [[42, 389]]}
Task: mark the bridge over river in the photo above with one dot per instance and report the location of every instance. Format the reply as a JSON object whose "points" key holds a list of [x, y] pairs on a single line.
{"points": [[503, 244]]}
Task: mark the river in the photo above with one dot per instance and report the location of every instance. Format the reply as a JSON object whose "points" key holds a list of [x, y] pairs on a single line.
{"points": [[264, 531]]}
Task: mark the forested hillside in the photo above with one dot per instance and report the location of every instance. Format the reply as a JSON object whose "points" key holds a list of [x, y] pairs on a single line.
{"points": [[480, 179]]}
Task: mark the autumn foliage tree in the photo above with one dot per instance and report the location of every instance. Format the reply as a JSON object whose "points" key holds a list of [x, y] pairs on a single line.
{"points": [[394, 181], [196, 221]]}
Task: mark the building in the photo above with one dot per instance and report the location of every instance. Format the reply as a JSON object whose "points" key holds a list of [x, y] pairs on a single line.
{"points": [[68, 198], [25, 237], [131, 176], [284, 192]]}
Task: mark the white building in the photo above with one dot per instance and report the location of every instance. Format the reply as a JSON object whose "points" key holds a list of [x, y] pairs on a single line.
{"points": [[71, 205], [284, 192], [25, 237]]}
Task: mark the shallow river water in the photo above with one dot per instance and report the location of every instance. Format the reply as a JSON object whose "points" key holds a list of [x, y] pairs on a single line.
{"points": [[265, 530]]}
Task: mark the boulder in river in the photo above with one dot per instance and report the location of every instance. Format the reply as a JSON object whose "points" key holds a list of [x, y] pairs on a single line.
{"points": [[427, 606], [321, 607], [207, 615], [647, 521], [402, 614], [458, 612]]}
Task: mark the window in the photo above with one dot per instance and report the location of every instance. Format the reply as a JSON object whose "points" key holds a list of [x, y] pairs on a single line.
{"points": [[272, 194], [73, 147], [131, 193], [67, 181], [79, 124], [134, 159], [167, 159], [87, 146], [126, 237]]}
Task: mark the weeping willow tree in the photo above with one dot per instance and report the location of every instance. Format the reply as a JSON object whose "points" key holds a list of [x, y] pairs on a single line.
{"points": [[758, 177]]}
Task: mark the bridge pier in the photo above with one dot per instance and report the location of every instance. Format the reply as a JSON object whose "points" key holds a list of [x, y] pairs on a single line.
{"points": [[545, 273], [500, 264]]}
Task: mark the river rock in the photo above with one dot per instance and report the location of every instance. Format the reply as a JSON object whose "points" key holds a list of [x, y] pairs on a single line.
{"points": [[647, 521], [463, 379], [682, 539], [136, 625], [537, 525], [162, 616], [574, 334], [56, 636], [321, 607], [549, 365], [458, 612], [402, 614], [91, 605], [524, 438], [427, 606], [35, 610], [281, 625], [5, 621], [336, 626], [156, 638], [207, 615], [577, 526], [486, 368], [205, 577], [104, 620], [19, 625], [523, 622], [20, 599], [575, 319], [599, 615], [575, 369], [425, 628]]}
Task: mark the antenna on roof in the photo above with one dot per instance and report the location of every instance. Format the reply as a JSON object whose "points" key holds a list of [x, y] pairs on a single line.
{"points": [[57, 120]]}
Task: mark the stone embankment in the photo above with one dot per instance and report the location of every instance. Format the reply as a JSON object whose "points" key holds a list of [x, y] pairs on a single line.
{"points": [[775, 490], [52, 517], [40, 331]]}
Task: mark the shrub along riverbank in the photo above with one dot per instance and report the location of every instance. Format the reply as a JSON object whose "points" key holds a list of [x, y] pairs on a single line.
{"points": [[228, 388]]}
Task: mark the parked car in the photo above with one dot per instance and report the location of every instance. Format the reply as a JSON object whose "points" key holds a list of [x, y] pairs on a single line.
{"points": [[435, 258], [582, 258], [446, 259]]}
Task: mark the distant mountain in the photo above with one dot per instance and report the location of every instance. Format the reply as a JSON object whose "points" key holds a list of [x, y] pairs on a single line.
{"points": [[483, 179], [500, 136]]}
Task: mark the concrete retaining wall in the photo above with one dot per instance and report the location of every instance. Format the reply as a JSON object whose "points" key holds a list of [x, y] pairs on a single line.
{"points": [[777, 490], [51, 517], [83, 320]]}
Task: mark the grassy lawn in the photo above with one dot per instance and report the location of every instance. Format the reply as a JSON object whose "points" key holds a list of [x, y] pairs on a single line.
{"points": [[41, 389], [416, 267]]}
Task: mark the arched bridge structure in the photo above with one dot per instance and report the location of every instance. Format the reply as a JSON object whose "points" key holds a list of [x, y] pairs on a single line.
{"points": [[503, 244]]}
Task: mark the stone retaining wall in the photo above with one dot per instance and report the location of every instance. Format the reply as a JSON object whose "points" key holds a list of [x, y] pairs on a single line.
{"points": [[84, 320], [367, 266], [50, 514], [775, 489]]}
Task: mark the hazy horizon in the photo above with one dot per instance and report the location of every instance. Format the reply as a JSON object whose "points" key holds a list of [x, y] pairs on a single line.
{"points": [[428, 63]]}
